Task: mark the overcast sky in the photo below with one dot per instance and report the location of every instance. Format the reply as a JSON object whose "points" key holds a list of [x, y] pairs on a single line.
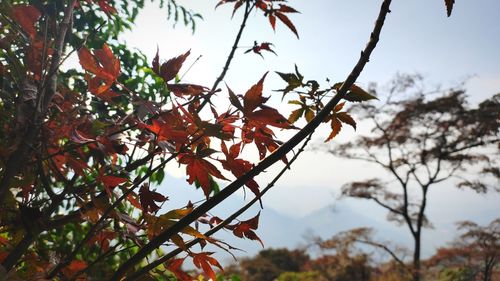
{"points": [[417, 37]]}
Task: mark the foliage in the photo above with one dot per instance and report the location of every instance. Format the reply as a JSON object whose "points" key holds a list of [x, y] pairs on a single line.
{"points": [[473, 255], [300, 276], [81, 150], [270, 263], [421, 141]]}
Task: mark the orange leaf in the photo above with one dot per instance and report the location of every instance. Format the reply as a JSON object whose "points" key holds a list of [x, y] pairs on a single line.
{"points": [[103, 65], [336, 127], [112, 181], [346, 118], [205, 262], [174, 266], [269, 116], [77, 265]]}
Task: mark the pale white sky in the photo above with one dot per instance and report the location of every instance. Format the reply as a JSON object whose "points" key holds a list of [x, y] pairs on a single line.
{"points": [[417, 37]]}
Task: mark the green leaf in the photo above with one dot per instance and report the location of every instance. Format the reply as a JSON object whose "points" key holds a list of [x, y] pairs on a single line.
{"points": [[356, 93], [295, 115], [294, 81]]}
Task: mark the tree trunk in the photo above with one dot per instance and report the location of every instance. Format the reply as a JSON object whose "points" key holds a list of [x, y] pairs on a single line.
{"points": [[416, 257]]}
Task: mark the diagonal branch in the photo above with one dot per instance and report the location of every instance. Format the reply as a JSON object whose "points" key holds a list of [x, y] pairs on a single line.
{"points": [[268, 161], [218, 227], [386, 249]]}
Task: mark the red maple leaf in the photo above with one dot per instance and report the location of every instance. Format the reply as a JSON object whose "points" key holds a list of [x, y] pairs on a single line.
{"points": [[246, 229], [26, 16], [149, 198], [205, 262], [104, 66], [200, 170], [187, 89], [105, 7], [238, 167], [169, 69], [174, 266], [279, 13], [102, 239], [110, 182], [257, 48]]}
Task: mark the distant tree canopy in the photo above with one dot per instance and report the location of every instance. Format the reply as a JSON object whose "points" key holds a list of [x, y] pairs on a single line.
{"points": [[422, 138], [473, 255]]}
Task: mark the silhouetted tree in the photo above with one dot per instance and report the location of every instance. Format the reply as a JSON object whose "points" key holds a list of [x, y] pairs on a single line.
{"points": [[421, 141], [474, 254]]}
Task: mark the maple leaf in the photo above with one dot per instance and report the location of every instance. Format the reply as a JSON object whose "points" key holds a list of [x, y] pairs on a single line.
{"points": [[294, 80], [187, 89], [103, 65], [355, 93], [262, 136], [268, 116], [103, 5], [238, 167], [79, 137], [233, 98], [284, 19], [74, 267], [174, 266], [253, 97], [149, 198], [200, 170], [26, 16], [286, 9], [237, 4], [337, 118], [257, 48], [110, 182], [449, 6], [170, 126], [246, 229], [336, 127], [102, 239], [279, 13], [205, 262], [169, 69]]}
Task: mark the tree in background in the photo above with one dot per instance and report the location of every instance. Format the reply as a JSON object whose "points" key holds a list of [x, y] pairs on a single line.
{"points": [[473, 255], [82, 151], [423, 138]]}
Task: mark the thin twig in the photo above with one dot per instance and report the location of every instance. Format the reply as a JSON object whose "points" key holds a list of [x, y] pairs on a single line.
{"points": [[248, 10]]}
